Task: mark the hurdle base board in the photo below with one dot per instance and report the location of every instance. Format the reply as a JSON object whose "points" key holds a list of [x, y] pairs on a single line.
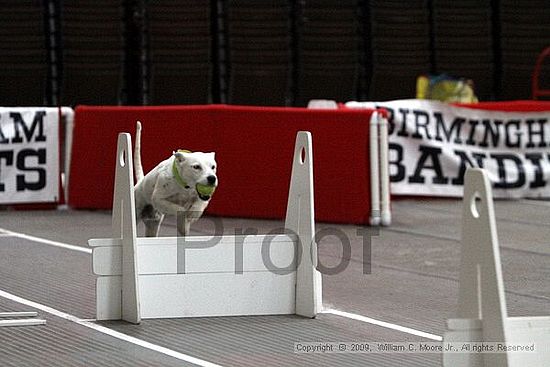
{"points": [[202, 295], [519, 330]]}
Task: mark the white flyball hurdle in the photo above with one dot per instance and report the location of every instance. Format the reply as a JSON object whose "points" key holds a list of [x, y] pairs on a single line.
{"points": [[199, 276], [482, 312]]}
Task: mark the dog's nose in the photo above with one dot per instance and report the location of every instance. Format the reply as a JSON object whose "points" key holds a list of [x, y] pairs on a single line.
{"points": [[211, 179]]}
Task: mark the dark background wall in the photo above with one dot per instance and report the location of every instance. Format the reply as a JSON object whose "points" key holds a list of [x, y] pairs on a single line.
{"points": [[272, 52]]}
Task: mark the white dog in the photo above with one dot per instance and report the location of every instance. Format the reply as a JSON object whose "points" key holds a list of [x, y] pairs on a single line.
{"points": [[181, 185]]}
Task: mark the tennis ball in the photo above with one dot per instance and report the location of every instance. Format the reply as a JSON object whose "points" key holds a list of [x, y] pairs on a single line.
{"points": [[205, 190]]}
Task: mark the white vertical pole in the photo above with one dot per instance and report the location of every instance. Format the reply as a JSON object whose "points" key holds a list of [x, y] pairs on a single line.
{"points": [[68, 113], [374, 171], [385, 210]]}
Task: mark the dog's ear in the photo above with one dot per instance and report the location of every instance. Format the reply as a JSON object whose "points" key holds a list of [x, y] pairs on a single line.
{"points": [[212, 155], [179, 156]]}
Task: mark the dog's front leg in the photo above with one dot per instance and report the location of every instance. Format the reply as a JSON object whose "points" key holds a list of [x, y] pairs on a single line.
{"points": [[166, 207], [152, 227], [183, 224]]}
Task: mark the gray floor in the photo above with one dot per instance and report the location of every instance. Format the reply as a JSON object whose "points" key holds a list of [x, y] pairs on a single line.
{"points": [[412, 282]]}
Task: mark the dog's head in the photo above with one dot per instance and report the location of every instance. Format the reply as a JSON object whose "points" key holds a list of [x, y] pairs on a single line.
{"points": [[197, 168]]}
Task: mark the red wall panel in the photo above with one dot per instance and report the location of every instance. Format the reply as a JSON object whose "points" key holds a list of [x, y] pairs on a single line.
{"points": [[254, 148]]}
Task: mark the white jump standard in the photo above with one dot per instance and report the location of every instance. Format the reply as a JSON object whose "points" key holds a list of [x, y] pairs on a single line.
{"points": [[482, 313], [197, 276], [379, 171]]}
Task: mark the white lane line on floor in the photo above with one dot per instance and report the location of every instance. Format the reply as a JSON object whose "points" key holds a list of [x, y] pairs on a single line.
{"points": [[385, 324], [110, 332], [329, 311], [45, 241]]}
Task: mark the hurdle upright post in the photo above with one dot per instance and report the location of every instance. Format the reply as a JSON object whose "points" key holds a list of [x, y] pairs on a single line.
{"points": [[300, 220], [124, 227], [480, 270], [482, 313]]}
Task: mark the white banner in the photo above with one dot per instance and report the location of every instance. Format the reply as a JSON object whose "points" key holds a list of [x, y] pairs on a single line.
{"points": [[432, 144], [29, 155]]}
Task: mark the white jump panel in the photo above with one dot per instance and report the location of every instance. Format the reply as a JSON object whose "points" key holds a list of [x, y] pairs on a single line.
{"points": [[227, 254], [209, 276], [482, 304]]}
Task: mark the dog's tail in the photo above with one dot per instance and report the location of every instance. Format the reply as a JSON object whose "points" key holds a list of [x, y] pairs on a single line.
{"points": [[137, 154]]}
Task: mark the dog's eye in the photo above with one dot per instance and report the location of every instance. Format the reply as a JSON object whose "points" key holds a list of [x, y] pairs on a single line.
{"points": [[197, 167], [213, 167]]}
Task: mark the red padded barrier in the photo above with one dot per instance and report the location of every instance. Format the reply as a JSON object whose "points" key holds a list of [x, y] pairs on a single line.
{"points": [[254, 148]]}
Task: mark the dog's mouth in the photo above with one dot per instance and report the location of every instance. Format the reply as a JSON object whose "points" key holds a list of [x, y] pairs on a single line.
{"points": [[205, 191], [204, 197]]}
